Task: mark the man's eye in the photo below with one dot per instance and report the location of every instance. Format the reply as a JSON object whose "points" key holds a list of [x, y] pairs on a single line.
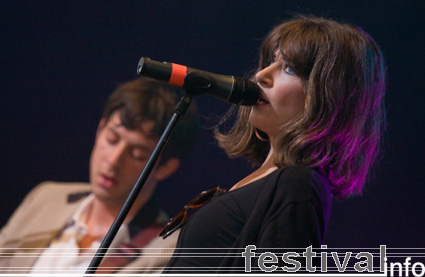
{"points": [[112, 138], [140, 156]]}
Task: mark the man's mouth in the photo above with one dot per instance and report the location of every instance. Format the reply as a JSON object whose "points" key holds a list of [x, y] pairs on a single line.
{"points": [[107, 181]]}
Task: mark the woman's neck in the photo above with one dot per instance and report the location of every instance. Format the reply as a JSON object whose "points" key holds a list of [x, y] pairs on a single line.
{"points": [[265, 169]]}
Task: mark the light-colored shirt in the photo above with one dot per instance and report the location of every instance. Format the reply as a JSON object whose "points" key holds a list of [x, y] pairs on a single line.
{"points": [[65, 255]]}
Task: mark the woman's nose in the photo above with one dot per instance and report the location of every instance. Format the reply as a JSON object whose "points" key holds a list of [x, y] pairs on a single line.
{"points": [[264, 77]]}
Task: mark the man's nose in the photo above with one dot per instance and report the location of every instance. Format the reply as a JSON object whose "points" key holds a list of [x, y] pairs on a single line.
{"points": [[115, 156]]}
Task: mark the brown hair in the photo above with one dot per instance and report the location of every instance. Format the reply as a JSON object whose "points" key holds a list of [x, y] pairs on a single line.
{"points": [[145, 99], [343, 74]]}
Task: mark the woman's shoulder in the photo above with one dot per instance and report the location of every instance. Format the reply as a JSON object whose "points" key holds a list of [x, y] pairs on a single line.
{"points": [[301, 182]]}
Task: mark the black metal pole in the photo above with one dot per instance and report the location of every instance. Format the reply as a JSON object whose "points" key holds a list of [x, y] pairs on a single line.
{"points": [[180, 111]]}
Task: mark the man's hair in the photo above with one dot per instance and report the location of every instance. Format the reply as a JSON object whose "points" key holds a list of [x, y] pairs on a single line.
{"points": [[145, 99], [343, 75]]}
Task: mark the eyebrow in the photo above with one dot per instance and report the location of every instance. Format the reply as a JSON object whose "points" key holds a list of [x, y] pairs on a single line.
{"points": [[136, 145]]}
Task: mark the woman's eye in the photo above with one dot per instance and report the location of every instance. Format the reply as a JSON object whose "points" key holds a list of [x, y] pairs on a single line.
{"points": [[268, 63], [289, 70]]}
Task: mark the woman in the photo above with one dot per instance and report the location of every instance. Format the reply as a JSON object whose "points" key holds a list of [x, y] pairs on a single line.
{"points": [[315, 130]]}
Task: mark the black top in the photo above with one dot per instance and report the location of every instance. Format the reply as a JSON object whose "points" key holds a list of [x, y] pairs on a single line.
{"points": [[289, 208]]}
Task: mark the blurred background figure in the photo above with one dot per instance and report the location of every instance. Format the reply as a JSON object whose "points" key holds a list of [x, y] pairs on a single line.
{"points": [[62, 224]]}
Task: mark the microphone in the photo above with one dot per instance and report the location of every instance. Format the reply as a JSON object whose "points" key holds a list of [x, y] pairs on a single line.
{"points": [[235, 90]]}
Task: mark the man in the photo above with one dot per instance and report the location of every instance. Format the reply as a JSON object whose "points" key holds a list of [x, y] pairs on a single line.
{"points": [[59, 226]]}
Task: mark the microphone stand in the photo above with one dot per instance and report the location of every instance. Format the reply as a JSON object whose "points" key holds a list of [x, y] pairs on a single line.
{"points": [[179, 111]]}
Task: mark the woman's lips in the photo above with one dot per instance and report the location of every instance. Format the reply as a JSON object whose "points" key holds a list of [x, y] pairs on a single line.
{"points": [[261, 100]]}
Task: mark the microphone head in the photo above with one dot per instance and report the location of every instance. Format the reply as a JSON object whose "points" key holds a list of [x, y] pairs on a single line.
{"points": [[245, 92]]}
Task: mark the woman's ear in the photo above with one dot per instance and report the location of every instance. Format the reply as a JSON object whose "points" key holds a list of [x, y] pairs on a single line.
{"points": [[166, 169]]}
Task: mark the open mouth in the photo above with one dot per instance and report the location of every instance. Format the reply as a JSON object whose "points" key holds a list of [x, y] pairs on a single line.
{"points": [[261, 100], [107, 181]]}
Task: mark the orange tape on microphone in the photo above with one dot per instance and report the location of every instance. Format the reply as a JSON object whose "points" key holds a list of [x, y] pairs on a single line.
{"points": [[178, 72]]}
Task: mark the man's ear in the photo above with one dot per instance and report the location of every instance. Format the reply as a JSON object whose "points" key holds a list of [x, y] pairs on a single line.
{"points": [[100, 126], [166, 169]]}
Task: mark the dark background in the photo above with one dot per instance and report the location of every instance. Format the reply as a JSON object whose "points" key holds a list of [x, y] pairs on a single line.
{"points": [[61, 59]]}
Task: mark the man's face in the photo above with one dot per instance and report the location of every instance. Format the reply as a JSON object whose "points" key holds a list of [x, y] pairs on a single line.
{"points": [[118, 157]]}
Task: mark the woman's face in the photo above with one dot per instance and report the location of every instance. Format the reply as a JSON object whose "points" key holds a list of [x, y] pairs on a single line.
{"points": [[282, 97]]}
